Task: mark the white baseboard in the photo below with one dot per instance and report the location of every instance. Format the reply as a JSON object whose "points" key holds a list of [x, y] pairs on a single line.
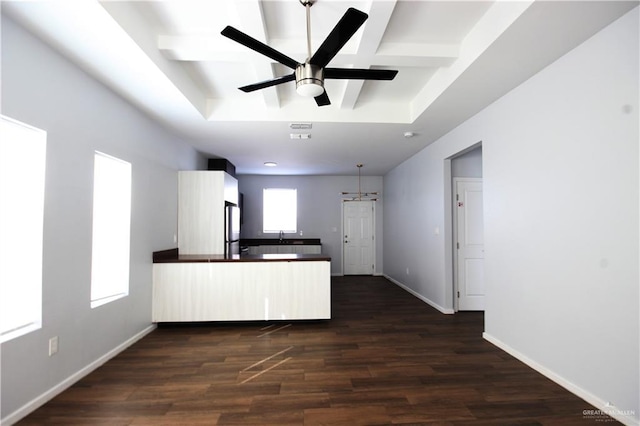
{"points": [[603, 406], [340, 274], [421, 297], [39, 401]]}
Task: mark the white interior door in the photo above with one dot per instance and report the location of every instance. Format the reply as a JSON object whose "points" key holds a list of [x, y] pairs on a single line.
{"points": [[469, 244], [358, 242]]}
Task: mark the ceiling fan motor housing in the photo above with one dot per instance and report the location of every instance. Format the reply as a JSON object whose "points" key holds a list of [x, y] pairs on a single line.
{"points": [[309, 80]]}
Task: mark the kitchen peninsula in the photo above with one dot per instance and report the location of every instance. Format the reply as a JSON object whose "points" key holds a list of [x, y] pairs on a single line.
{"points": [[205, 279], [200, 287]]}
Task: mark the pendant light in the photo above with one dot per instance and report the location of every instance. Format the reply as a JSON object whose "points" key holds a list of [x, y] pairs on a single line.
{"points": [[357, 196]]}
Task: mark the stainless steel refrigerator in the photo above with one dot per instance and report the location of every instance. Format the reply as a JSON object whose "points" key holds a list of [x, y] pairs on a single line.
{"points": [[232, 229]]}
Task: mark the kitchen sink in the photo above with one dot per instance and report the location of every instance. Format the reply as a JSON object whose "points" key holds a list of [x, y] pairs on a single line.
{"points": [[277, 241]]}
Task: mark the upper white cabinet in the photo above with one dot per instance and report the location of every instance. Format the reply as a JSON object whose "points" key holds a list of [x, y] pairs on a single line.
{"points": [[230, 189], [201, 202]]}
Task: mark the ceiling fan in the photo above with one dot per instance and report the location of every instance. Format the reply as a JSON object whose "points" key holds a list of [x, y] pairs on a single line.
{"points": [[309, 76]]}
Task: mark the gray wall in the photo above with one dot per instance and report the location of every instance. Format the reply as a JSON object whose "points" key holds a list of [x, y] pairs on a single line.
{"points": [[319, 209], [561, 213], [468, 164], [42, 89]]}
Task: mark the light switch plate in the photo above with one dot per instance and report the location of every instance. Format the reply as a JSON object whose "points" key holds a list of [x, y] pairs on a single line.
{"points": [[53, 345]]}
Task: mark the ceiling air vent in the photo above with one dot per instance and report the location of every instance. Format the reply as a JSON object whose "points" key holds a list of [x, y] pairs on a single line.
{"points": [[300, 126]]}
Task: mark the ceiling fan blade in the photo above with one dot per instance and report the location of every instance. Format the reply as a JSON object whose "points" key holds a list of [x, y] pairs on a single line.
{"points": [[258, 46], [339, 36], [267, 83], [359, 74], [323, 100]]}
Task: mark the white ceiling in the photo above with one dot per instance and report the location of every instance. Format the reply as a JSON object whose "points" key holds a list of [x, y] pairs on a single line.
{"points": [[453, 57]]}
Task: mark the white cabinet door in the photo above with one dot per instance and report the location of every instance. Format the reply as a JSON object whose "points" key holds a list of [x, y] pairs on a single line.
{"points": [[201, 197], [238, 291], [287, 249], [311, 249], [230, 189]]}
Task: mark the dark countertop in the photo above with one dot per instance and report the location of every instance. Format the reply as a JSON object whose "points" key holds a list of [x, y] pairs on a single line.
{"points": [[172, 256], [277, 241]]}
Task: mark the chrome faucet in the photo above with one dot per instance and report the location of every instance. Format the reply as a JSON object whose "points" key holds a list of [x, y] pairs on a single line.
{"points": [[281, 235]]}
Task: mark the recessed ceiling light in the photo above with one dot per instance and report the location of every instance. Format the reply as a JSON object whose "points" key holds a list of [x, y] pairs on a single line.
{"points": [[270, 163]]}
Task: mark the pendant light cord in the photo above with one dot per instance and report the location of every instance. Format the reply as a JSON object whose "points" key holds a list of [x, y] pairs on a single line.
{"points": [[359, 187]]}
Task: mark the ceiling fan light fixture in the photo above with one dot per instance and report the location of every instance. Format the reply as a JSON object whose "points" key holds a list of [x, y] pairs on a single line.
{"points": [[309, 80], [309, 89]]}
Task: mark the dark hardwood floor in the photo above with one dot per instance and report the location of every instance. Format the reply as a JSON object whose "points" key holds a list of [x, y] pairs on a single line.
{"points": [[384, 358]]}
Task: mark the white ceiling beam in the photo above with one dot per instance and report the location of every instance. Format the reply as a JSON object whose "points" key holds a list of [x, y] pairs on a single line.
{"points": [[270, 95], [252, 16], [209, 48], [351, 94], [131, 21], [374, 28]]}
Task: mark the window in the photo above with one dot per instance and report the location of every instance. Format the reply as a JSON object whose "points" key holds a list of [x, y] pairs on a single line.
{"points": [[111, 229], [22, 180], [279, 210]]}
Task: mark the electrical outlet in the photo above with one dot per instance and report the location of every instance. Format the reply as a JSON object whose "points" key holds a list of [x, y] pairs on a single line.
{"points": [[53, 345], [407, 271]]}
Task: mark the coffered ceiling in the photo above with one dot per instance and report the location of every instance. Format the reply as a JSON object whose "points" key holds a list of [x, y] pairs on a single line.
{"points": [[453, 59]]}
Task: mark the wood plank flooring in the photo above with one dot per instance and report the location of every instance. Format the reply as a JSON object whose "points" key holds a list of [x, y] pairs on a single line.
{"points": [[385, 358]]}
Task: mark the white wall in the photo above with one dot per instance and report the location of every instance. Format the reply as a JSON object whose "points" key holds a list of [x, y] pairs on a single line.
{"points": [[80, 115], [561, 200], [319, 209]]}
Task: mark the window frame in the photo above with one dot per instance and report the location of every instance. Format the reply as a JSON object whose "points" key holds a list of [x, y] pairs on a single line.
{"points": [[110, 266], [266, 205], [23, 179]]}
